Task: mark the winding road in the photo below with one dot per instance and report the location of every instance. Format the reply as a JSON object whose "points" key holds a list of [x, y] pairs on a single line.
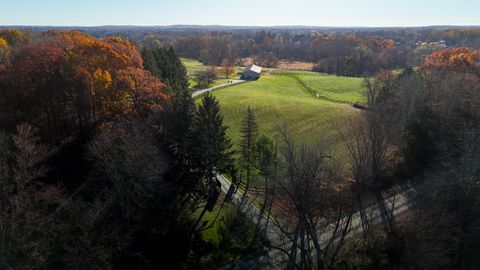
{"points": [[376, 214], [203, 91]]}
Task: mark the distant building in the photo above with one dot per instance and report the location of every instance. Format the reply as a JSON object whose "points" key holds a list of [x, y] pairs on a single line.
{"points": [[438, 44], [251, 73]]}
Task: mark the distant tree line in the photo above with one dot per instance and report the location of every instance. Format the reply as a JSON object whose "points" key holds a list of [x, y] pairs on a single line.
{"points": [[348, 52]]}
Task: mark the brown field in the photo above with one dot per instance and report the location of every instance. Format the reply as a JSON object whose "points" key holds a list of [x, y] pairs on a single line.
{"points": [[296, 65], [282, 64]]}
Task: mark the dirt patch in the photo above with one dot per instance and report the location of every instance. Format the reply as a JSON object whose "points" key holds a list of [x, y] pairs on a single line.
{"points": [[282, 64]]}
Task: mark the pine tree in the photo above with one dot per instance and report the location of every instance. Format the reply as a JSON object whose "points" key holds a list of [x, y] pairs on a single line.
{"points": [[178, 72], [211, 141], [177, 119], [211, 148], [249, 134], [150, 64], [266, 160], [167, 66]]}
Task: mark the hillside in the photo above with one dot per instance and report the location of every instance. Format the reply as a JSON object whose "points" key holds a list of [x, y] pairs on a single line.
{"points": [[279, 100], [288, 97]]}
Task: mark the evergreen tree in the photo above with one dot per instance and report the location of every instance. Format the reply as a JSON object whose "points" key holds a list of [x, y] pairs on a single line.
{"points": [[167, 66], [176, 76], [150, 63], [211, 147], [265, 163], [265, 156], [249, 134], [211, 142], [177, 120]]}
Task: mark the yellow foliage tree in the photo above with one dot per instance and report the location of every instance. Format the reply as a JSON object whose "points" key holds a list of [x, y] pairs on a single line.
{"points": [[5, 51]]}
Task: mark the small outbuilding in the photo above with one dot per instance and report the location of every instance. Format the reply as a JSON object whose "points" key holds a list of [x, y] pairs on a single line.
{"points": [[251, 73]]}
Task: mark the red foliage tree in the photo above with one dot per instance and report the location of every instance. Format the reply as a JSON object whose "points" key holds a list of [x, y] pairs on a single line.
{"points": [[69, 82]]}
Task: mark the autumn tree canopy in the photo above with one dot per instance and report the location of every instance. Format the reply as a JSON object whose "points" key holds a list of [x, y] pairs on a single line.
{"points": [[69, 82], [456, 59], [453, 72]]}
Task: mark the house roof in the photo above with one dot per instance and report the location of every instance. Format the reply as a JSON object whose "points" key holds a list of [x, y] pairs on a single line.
{"points": [[255, 69]]}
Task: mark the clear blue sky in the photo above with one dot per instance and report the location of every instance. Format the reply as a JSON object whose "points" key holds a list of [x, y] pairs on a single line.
{"points": [[241, 12]]}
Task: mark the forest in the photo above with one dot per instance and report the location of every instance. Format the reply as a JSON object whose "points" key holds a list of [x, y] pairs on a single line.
{"points": [[340, 51], [108, 162]]}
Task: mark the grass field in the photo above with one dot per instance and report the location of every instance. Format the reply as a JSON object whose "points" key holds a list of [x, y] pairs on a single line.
{"points": [[343, 89], [332, 88], [279, 100], [194, 66]]}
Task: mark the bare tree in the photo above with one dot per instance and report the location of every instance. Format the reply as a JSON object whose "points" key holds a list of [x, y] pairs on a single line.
{"points": [[355, 138], [128, 165], [466, 170], [313, 213], [371, 91], [219, 48], [368, 137], [379, 141], [367, 140], [27, 228]]}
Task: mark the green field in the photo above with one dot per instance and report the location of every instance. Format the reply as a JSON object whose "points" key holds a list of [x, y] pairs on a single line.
{"points": [[278, 100], [194, 66], [343, 89]]}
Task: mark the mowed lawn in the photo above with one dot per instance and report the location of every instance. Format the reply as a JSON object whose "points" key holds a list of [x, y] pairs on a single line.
{"points": [[193, 66], [343, 89], [280, 100], [336, 88]]}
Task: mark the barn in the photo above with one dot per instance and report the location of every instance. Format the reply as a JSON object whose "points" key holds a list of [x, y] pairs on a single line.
{"points": [[251, 73]]}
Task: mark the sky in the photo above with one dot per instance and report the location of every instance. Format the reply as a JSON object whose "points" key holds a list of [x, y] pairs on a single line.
{"points": [[240, 12]]}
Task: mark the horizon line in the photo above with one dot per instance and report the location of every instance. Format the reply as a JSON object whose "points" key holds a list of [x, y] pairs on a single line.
{"points": [[239, 26]]}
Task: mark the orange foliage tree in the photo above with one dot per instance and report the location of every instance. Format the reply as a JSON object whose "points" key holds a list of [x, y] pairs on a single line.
{"points": [[452, 81], [460, 65], [69, 82], [456, 59]]}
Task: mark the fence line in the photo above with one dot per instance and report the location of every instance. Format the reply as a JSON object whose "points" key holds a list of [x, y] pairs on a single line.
{"points": [[218, 87]]}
